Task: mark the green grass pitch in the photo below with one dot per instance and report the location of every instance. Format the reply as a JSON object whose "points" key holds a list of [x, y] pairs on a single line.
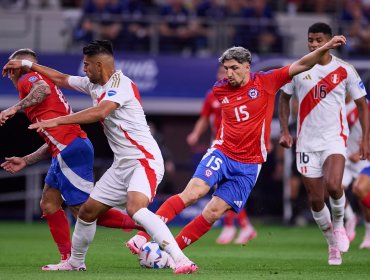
{"points": [[277, 253]]}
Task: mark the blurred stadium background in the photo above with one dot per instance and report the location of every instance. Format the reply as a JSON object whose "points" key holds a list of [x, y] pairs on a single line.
{"points": [[170, 49]]}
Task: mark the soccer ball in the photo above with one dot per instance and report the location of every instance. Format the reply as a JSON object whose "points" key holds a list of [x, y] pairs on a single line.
{"points": [[151, 256]]}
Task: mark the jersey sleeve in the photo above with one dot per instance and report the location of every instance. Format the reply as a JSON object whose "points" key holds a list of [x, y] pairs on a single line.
{"points": [[25, 83], [81, 84], [121, 92], [206, 107], [355, 86], [289, 88], [274, 79]]}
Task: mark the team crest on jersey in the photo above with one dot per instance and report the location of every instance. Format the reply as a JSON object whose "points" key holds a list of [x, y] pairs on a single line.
{"points": [[112, 92], [334, 78], [208, 173], [253, 93], [32, 79]]}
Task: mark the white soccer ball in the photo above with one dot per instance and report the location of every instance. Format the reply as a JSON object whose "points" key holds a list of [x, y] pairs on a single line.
{"points": [[151, 256]]}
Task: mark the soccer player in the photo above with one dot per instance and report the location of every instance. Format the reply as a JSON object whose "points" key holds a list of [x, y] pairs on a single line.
{"points": [[211, 114], [322, 134], [137, 169], [70, 177], [240, 148]]}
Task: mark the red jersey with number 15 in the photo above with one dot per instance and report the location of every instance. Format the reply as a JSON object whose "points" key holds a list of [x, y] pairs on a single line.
{"points": [[246, 115], [54, 105]]}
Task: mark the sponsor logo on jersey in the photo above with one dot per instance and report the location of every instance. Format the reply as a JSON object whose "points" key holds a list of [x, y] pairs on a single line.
{"points": [[335, 78], [112, 92], [253, 93], [225, 100], [32, 79], [208, 173], [238, 203], [307, 77], [361, 85]]}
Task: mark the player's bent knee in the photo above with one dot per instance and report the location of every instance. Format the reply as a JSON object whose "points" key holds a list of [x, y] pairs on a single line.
{"points": [[48, 208], [87, 214]]}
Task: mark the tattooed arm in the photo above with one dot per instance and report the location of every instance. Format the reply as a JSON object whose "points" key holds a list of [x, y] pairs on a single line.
{"points": [[15, 164], [39, 91]]}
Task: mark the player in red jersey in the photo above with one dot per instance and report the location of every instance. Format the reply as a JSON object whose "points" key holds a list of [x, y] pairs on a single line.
{"points": [[211, 114], [240, 148], [70, 177], [322, 135]]}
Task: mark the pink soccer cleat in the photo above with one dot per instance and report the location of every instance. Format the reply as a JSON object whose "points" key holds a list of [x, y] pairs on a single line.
{"points": [[335, 257], [185, 266], [226, 236], [342, 239], [135, 243], [246, 234], [350, 226], [365, 244], [63, 266]]}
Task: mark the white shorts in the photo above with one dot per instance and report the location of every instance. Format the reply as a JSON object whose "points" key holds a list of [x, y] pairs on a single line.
{"points": [[133, 175], [310, 164], [352, 170]]}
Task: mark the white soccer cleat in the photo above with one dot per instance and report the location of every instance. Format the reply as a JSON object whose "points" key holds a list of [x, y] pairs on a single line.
{"points": [[365, 244], [227, 235], [342, 239], [350, 226], [335, 257], [246, 234], [135, 243], [63, 266], [185, 266]]}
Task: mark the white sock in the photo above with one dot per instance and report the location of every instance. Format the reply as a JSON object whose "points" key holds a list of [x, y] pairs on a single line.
{"points": [[158, 230], [367, 228], [337, 211], [82, 236], [348, 212], [323, 220]]}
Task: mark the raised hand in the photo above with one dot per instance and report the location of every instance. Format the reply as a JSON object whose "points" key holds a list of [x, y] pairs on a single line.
{"points": [[39, 126], [7, 114], [336, 41], [13, 164]]}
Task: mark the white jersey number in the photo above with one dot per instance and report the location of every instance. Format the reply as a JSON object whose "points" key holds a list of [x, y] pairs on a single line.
{"points": [[241, 113]]}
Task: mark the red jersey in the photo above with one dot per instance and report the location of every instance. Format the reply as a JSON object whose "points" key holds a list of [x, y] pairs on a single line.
{"points": [[212, 110], [246, 115], [54, 105]]}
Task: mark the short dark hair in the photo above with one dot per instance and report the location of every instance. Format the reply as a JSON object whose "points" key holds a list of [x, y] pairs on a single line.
{"points": [[240, 54], [98, 47], [320, 27], [25, 51]]}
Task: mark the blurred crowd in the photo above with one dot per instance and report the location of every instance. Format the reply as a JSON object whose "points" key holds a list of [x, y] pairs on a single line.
{"points": [[192, 26]]}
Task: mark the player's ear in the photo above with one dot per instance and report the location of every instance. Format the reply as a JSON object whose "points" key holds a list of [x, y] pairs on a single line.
{"points": [[248, 66]]}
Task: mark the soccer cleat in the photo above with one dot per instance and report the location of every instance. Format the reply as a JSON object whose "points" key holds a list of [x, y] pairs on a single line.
{"points": [[350, 226], [335, 257], [135, 243], [342, 239], [185, 266], [63, 266], [365, 244], [226, 236], [246, 234]]}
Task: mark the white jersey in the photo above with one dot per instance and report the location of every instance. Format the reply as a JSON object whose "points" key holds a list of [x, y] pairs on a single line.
{"points": [[321, 95], [126, 128]]}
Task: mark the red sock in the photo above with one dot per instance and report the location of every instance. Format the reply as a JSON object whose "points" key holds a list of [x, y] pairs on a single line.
{"points": [[366, 200], [193, 231], [168, 211], [243, 218], [59, 229], [116, 219], [229, 218]]}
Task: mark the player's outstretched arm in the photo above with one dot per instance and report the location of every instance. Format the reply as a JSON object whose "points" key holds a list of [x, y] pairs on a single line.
{"points": [[15, 164], [286, 139], [309, 60], [58, 78], [90, 115]]}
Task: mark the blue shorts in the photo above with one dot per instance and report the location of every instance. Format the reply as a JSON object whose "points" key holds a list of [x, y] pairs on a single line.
{"points": [[235, 180], [366, 171], [71, 171]]}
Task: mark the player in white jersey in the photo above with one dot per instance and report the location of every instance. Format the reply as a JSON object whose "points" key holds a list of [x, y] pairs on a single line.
{"points": [[322, 134], [137, 169]]}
